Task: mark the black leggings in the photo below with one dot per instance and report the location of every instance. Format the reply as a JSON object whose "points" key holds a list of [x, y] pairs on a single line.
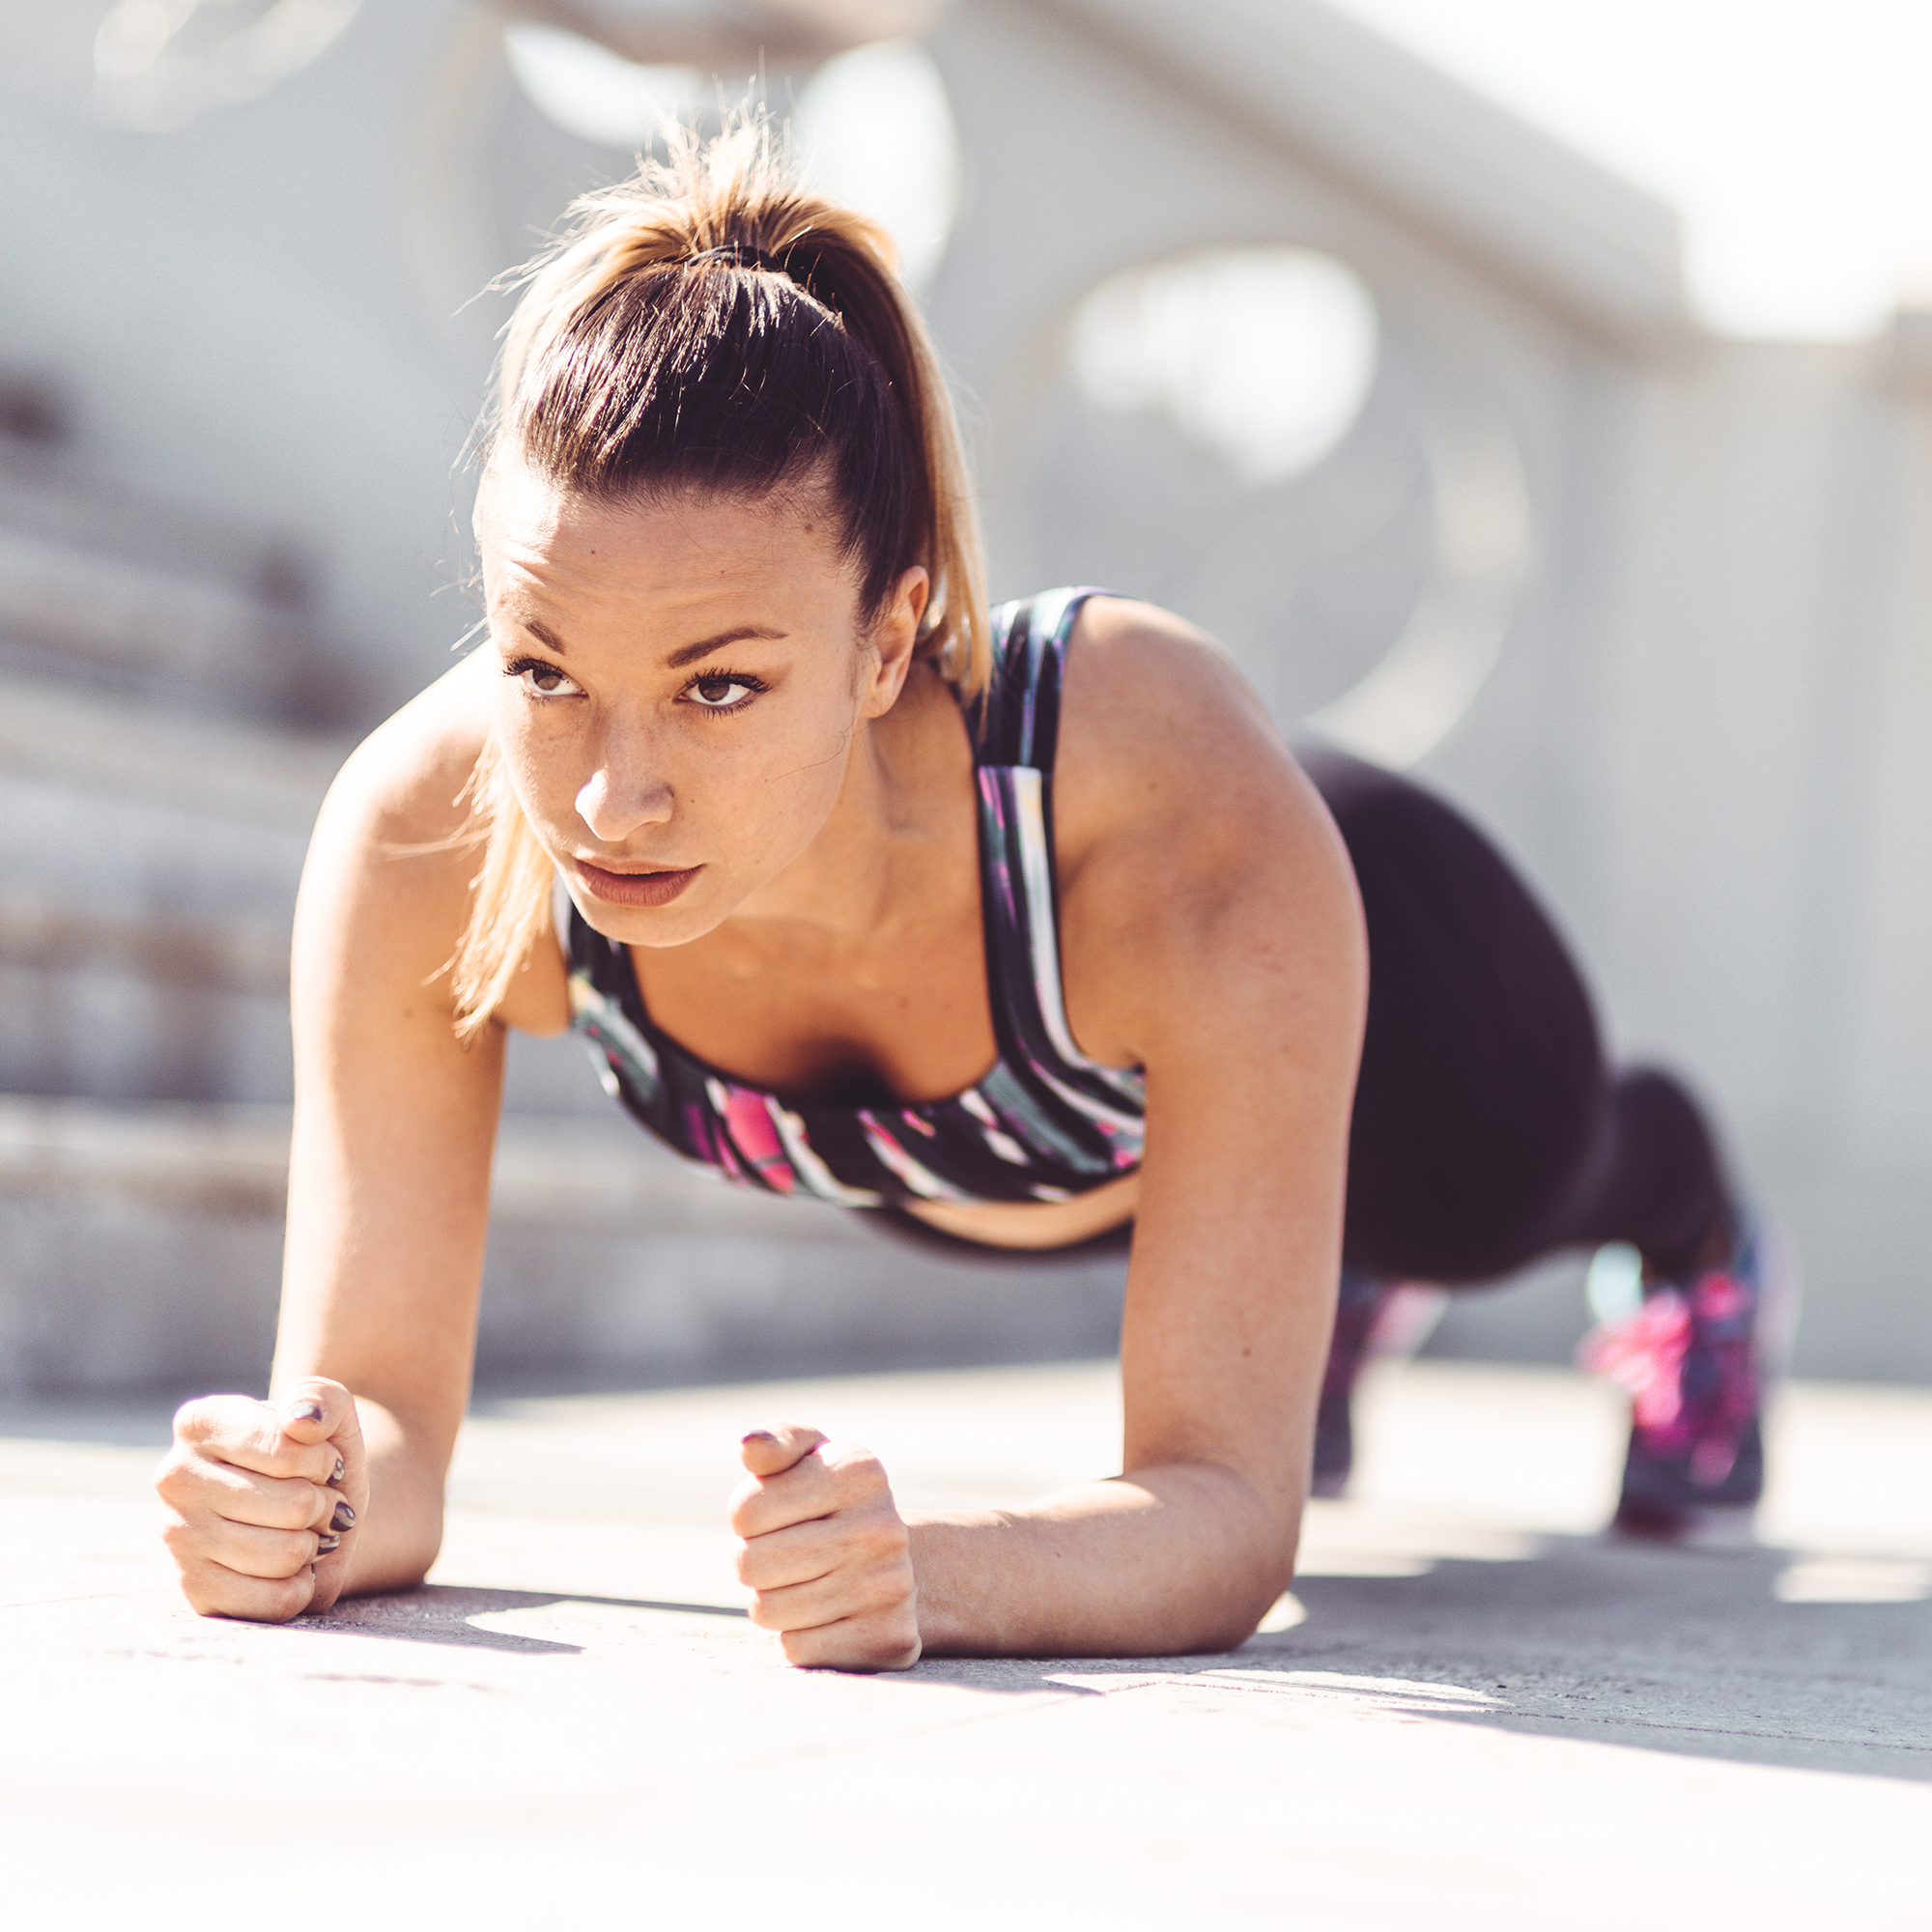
{"points": [[1488, 1128]]}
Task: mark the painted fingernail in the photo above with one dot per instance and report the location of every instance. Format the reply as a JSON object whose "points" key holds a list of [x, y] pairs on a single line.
{"points": [[306, 1411], [343, 1518], [757, 1436], [337, 1477], [324, 1543]]}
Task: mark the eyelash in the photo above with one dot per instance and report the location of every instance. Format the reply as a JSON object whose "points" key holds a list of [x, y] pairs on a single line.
{"points": [[521, 667], [753, 686]]}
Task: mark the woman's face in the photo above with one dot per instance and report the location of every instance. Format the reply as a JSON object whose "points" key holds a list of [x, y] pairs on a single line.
{"points": [[682, 682]]}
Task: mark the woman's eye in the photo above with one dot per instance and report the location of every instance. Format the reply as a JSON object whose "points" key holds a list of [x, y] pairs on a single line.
{"points": [[542, 680], [722, 693]]}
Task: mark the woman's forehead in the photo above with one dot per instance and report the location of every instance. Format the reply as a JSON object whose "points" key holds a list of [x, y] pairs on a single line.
{"points": [[576, 568], [525, 518]]}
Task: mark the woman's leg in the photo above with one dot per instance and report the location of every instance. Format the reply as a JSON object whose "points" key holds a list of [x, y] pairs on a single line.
{"points": [[1488, 1129], [1660, 1185]]}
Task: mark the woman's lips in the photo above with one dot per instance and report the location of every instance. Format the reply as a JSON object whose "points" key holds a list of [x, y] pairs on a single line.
{"points": [[635, 889]]}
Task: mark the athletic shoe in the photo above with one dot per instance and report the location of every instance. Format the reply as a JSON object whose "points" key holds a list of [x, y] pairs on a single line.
{"points": [[1372, 1317], [1697, 1358]]}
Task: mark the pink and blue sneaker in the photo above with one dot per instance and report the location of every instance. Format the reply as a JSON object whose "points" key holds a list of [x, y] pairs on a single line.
{"points": [[1697, 1358]]}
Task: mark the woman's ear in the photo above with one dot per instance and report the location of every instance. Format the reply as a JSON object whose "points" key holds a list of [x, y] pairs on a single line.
{"points": [[894, 637]]}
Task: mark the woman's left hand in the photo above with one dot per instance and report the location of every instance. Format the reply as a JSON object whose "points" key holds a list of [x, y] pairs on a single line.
{"points": [[827, 1556]]}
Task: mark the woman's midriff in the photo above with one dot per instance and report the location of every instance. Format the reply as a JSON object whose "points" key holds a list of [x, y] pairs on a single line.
{"points": [[1034, 1223]]}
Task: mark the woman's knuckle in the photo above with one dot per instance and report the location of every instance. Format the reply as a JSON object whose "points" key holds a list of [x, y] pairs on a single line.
{"points": [[296, 1550], [272, 1555], [817, 1649], [881, 1537], [203, 1600], [885, 1645], [191, 1418], [291, 1505], [885, 1591]]}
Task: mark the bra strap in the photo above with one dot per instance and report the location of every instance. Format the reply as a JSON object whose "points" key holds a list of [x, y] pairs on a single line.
{"points": [[1017, 721]]}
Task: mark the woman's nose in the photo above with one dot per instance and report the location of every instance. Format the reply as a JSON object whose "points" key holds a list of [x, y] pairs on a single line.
{"points": [[614, 807]]}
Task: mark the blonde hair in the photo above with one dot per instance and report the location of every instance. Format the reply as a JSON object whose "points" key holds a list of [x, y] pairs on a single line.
{"points": [[710, 324]]}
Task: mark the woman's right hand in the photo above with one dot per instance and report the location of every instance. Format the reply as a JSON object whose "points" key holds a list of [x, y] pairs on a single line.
{"points": [[263, 1499]]}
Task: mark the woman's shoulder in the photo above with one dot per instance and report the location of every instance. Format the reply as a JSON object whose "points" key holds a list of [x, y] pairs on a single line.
{"points": [[1192, 852], [390, 867], [403, 782], [1159, 730]]}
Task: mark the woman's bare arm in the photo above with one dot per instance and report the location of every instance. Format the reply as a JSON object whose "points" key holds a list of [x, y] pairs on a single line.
{"points": [[1213, 933], [388, 1189]]}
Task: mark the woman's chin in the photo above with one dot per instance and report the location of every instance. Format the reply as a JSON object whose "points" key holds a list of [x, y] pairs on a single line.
{"points": [[688, 915]]}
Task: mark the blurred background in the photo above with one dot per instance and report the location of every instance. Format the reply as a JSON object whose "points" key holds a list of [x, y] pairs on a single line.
{"points": [[1534, 395]]}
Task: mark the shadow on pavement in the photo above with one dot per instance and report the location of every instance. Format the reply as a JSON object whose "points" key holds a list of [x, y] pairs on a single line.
{"points": [[1593, 1639], [439, 1613], [1655, 1647]]}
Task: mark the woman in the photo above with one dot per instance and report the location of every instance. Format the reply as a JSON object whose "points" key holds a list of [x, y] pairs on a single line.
{"points": [[806, 844]]}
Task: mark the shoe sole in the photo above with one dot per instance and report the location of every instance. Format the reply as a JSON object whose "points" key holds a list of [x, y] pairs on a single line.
{"points": [[1714, 1527]]}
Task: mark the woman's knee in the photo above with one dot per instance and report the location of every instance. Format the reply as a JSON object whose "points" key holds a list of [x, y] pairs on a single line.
{"points": [[1667, 1191]]}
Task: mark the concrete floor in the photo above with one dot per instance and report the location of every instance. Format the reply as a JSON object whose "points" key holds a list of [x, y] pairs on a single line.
{"points": [[1486, 1715]]}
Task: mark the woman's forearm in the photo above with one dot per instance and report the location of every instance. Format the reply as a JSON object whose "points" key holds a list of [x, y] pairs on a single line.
{"points": [[1183, 1557], [397, 1540]]}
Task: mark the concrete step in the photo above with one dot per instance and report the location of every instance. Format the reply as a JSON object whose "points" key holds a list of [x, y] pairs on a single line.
{"points": [[105, 587], [147, 870], [114, 745], [127, 624]]}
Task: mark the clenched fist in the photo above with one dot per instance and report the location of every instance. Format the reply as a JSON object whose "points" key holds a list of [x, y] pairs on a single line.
{"points": [[260, 1497], [827, 1557]]}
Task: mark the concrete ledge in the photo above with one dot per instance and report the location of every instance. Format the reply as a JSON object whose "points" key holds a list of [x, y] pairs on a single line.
{"points": [[230, 1161], [227, 956], [141, 1247], [121, 747], [564, 1174]]}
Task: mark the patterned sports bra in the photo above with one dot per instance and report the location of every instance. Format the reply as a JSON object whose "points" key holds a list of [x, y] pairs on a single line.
{"points": [[1044, 1124]]}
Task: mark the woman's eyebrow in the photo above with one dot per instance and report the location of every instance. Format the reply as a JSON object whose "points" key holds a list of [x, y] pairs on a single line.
{"points": [[685, 654], [542, 632], [691, 653]]}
